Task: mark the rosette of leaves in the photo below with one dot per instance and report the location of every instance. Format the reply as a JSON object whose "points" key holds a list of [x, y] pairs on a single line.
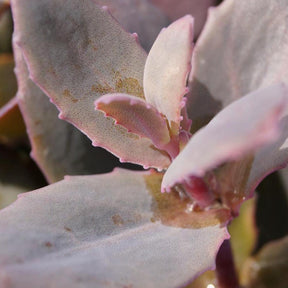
{"points": [[118, 229]]}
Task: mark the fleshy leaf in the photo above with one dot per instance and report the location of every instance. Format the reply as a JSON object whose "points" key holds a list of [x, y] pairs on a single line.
{"points": [[77, 53], [235, 132], [137, 116], [12, 127], [137, 16], [57, 147], [167, 67], [228, 64], [176, 9], [100, 231]]}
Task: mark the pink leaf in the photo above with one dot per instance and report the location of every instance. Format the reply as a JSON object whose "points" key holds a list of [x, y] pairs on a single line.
{"points": [[239, 129], [76, 53], [167, 68], [230, 62], [103, 231], [136, 116], [57, 147]]}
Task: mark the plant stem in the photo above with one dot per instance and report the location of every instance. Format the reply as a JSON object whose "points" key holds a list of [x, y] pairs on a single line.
{"points": [[225, 268]]}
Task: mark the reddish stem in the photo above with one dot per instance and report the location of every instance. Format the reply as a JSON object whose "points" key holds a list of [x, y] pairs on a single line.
{"points": [[225, 268]]}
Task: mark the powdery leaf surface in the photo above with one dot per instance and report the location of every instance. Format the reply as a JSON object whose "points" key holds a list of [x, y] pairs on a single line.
{"points": [[57, 146], [231, 60], [76, 53], [167, 67], [137, 16], [102, 231], [236, 131]]}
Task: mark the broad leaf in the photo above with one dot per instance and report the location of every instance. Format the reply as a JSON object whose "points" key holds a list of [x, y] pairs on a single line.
{"points": [[102, 231], [167, 67], [229, 57], [76, 53], [57, 147]]}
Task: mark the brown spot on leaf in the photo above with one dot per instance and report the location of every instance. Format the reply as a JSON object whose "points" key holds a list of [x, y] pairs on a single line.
{"points": [[120, 84], [102, 89], [48, 244], [171, 209], [117, 220], [68, 95], [68, 229]]}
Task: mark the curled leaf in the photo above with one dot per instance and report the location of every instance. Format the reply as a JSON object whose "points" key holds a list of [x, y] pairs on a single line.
{"points": [[136, 116]]}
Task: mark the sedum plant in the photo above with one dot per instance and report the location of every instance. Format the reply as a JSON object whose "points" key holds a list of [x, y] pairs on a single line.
{"points": [[164, 226]]}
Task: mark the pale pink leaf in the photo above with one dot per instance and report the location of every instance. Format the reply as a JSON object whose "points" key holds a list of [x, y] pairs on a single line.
{"points": [[176, 9], [167, 67], [137, 116], [231, 60], [77, 52], [239, 129], [101, 231], [57, 147]]}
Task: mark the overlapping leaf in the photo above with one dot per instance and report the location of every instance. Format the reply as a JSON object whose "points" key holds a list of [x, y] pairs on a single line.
{"points": [[106, 230], [77, 54], [57, 147], [231, 62], [235, 132]]}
